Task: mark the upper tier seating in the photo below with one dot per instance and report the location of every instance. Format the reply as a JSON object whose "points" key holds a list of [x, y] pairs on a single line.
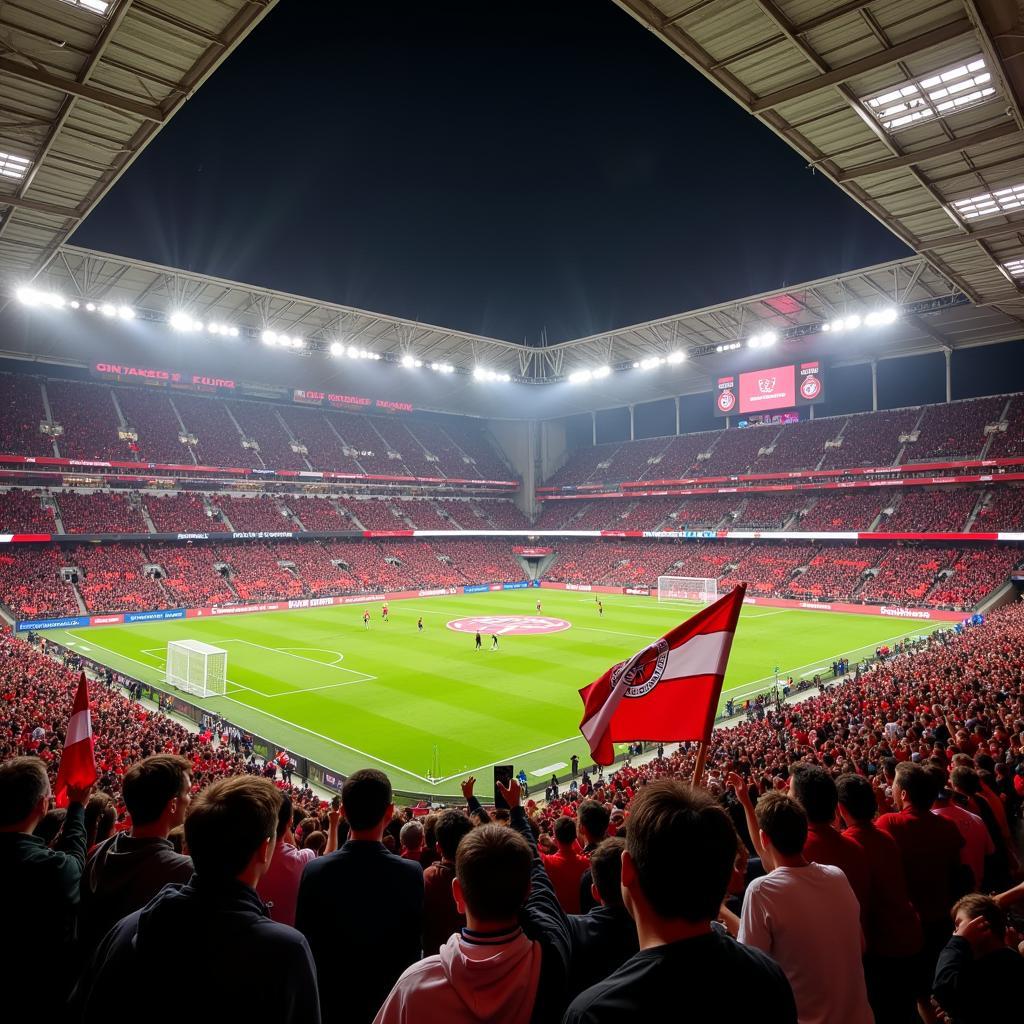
{"points": [[844, 510], [679, 460], [769, 511], [799, 446], [1010, 443], [99, 512], [89, 418], [871, 439], [220, 443], [955, 431], [157, 424], [925, 510], [1004, 512], [183, 512], [253, 514], [260, 423], [500, 514], [319, 515], [736, 450], [377, 514], [22, 511], [21, 413]]}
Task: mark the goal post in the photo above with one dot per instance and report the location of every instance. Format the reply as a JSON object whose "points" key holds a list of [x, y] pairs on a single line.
{"points": [[688, 588], [197, 668]]}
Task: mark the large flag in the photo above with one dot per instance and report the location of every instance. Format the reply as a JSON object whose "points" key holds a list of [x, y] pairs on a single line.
{"points": [[668, 692], [77, 763]]}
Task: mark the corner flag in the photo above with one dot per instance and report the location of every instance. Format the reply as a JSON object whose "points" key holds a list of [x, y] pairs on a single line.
{"points": [[670, 690], [77, 763]]}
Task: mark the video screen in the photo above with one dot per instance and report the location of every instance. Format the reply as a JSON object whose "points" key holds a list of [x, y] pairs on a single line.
{"points": [[778, 387]]}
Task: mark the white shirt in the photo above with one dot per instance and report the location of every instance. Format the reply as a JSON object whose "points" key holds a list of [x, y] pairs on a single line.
{"points": [[807, 919]]}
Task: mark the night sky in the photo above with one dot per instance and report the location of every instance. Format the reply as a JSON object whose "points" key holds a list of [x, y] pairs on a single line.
{"points": [[506, 169]]}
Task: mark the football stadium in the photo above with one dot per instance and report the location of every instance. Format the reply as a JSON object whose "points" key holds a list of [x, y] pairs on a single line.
{"points": [[335, 465]]}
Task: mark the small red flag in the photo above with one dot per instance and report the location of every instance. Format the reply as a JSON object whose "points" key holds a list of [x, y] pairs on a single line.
{"points": [[669, 692], [77, 762]]}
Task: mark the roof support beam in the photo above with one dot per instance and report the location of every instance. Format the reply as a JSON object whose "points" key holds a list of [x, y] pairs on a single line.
{"points": [[992, 134], [69, 86], [36, 206], [977, 235], [944, 34], [837, 12]]}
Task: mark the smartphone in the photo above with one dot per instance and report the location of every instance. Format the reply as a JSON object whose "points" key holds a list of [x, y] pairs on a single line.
{"points": [[335, 803], [502, 774]]}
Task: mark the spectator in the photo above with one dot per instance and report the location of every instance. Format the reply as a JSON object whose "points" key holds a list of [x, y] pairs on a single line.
{"points": [[593, 820], [813, 788], [978, 845], [100, 818], [680, 849], [38, 886], [605, 938], [566, 866], [806, 917], [360, 907], [257, 967], [411, 840], [978, 974], [123, 874], [930, 850], [441, 917], [510, 964], [892, 929], [279, 887]]}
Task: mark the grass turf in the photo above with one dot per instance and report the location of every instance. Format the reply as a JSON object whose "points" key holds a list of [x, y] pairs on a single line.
{"points": [[426, 704]]}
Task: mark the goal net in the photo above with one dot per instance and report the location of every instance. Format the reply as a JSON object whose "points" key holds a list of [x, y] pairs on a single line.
{"points": [[196, 667], [687, 588]]}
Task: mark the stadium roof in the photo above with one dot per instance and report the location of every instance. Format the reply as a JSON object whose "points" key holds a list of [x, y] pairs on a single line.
{"points": [[85, 85], [912, 107]]}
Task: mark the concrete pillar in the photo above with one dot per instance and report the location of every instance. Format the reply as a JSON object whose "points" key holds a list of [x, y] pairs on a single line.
{"points": [[677, 415], [874, 385], [812, 412], [949, 375], [593, 424], [632, 432]]}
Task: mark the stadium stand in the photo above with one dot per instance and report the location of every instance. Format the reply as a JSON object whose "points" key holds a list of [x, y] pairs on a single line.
{"points": [[770, 511], [871, 439], [256, 574], [500, 514], [22, 511], [371, 451], [183, 512], [832, 574], [99, 512], [113, 580], [1009, 443], [735, 451], [767, 569], [906, 574], [21, 414], [154, 419], [976, 573], [258, 513], [1002, 511], [190, 577], [956, 430], [924, 510], [377, 514], [260, 422], [87, 414], [799, 446], [30, 582], [326, 450], [470, 443], [480, 561], [679, 458], [219, 440], [318, 515], [706, 513], [848, 510]]}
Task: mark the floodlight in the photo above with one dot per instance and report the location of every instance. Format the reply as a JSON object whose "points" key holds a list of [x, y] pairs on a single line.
{"points": [[337, 349], [90, 307], [880, 317], [126, 312], [580, 376], [269, 337], [73, 303], [180, 321], [674, 358], [108, 309], [852, 322], [601, 371]]}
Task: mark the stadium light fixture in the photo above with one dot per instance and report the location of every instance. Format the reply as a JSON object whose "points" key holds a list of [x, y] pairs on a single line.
{"points": [[674, 358], [12, 166], [581, 377], [126, 312], [1015, 267], [764, 340], [108, 309], [100, 7], [73, 303], [482, 374], [937, 94], [881, 317], [34, 297], [601, 372], [988, 204], [337, 349], [731, 347], [442, 367]]}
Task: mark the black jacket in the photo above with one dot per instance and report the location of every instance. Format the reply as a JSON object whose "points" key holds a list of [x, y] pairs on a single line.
{"points": [[978, 990], [361, 909], [602, 941], [544, 921], [39, 900], [121, 876], [200, 945]]}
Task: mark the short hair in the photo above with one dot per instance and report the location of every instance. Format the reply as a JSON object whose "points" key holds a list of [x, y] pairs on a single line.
{"points": [[976, 904], [411, 834], [228, 822], [366, 796], [918, 783], [150, 783], [594, 818], [966, 779], [450, 827], [812, 787], [284, 815], [493, 866], [565, 830], [606, 870], [783, 821], [23, 783], [857, 795], [682, 845]]}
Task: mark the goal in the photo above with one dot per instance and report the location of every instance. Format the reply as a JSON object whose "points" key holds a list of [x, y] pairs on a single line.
{"points": [[687, 588], [196, 667]]}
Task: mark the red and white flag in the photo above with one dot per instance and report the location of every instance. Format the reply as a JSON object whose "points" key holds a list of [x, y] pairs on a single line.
{"points": [[77, 763], [669, 692]]}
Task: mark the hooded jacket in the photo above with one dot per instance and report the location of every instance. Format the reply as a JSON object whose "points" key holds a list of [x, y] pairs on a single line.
{"points": [[517, 977], [219, 937], [121, 876]]}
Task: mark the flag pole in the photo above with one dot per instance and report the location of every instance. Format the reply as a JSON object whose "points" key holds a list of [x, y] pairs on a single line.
{"points": [[698, 768]]}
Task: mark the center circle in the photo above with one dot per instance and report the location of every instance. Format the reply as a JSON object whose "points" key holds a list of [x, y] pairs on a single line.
{"points": [[509, 625]]}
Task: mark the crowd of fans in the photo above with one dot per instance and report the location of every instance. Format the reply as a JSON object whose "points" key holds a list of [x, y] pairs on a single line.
{"points": [[22, 511], [832, 865], [923, 510], [99, 512], [183, 512]]}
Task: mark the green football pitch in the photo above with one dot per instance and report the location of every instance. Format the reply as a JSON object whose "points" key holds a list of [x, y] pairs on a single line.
{"points": [[428, 708]]}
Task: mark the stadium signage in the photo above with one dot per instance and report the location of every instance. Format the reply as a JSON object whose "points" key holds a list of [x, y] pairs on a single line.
{"points": [[905, 613], [476, 588], [578, 586], [532, 552], [306, 397], [192, 536], [311, 602], [107, 620], [437, 592], [509, 625], [155, 616], [68, 623], [175, 378], [638, 591], [264, 535], [518, 585]]}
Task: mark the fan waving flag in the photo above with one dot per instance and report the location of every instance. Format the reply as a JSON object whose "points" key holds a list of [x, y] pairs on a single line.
{"points": [[668, 692], [77, 763]]}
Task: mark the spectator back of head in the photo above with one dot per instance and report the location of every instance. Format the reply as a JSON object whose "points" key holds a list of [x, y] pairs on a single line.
{"points": [[682, 846], [857, 797], [606, 871], [228, 822], [783, 821], [593, 818], [493, 870], [450, 827], [812, 787], [411, 836], [977, 905], [151, 783], [366, 797], [917, 783], [565, 830], [23, 784]]}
